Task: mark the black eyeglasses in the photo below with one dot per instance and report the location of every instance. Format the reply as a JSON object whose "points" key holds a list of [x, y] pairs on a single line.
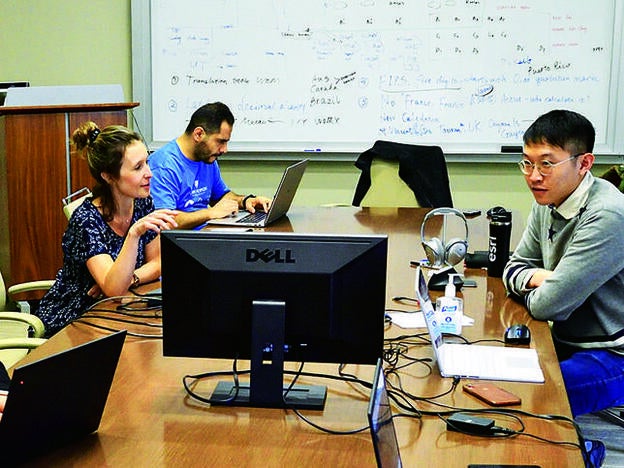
{"points": [[545, 168]]}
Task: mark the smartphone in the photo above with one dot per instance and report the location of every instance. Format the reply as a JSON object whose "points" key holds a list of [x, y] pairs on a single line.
{"points": [[492, 394]]}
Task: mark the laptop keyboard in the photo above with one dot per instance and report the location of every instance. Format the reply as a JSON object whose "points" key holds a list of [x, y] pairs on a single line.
{"points": [[253, 217]]}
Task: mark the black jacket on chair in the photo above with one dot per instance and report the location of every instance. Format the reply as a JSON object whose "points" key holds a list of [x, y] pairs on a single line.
{"points": [[5, 381], [422, 168]]}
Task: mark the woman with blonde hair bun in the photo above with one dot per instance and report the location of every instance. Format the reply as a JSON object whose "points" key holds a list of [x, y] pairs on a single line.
{"points": [[111, 243]]}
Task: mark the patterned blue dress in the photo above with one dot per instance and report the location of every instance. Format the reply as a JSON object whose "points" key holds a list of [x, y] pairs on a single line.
{"points": [[86, 235]]}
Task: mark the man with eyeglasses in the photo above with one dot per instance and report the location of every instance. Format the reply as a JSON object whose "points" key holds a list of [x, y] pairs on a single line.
{"points": [[186, 175], [569, 265]]}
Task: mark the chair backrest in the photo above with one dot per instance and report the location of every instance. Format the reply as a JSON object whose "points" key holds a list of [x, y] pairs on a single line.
{"points": [[19, 333], [615, 175], [421, 168], [3, 293], [73, 201], [387, 189]]}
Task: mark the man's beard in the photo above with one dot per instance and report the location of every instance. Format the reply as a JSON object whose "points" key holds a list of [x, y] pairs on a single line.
{"points": [[201, 153]]}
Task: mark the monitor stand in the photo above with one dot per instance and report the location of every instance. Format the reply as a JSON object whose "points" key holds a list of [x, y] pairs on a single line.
{"points": [[266, 384]]}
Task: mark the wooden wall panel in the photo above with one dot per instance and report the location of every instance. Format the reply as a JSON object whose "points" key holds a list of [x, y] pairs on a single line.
{"points": [[36, 176]]}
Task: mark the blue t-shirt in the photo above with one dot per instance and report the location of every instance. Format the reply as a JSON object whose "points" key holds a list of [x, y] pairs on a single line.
{"points": [[181, 184], [87, 235]]}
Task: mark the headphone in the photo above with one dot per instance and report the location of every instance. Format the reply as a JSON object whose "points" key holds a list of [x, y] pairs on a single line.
{"points": [[439, 252]]}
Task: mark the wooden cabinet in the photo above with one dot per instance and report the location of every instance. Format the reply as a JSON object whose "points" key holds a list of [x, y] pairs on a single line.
{"points": [[36, 173]]}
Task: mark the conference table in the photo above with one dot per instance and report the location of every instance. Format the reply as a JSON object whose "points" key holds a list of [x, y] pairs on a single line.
{"points": [[149, 419]]}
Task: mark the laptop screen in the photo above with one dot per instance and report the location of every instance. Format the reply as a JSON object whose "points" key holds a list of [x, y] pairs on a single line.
{"points": [[381, 424], [58, 398]]}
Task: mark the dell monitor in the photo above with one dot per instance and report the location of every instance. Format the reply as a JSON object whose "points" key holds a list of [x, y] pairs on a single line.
{"points": [[273, 297]]}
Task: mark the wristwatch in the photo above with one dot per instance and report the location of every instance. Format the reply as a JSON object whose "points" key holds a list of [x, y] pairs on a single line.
{"points": [[136, 281], [245, 200]]}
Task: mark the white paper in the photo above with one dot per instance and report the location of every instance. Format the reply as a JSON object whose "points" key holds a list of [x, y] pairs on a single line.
{"points": [[416, 319]]}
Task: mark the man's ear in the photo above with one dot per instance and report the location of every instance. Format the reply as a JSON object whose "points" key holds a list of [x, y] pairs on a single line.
{"points": [[586, 161], [198, 134]]}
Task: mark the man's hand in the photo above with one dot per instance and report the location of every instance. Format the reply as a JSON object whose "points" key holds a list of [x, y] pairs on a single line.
{"points": [[224, 207], [257, 203], [538, 278]]}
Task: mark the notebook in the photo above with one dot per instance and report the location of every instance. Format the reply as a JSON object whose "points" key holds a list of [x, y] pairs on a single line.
{"points": [[381, 424], [58, 399], [279, 207], [476, 361]]}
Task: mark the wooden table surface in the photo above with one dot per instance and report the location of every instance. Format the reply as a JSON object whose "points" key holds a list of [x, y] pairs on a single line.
{"points": [[150, 421]]}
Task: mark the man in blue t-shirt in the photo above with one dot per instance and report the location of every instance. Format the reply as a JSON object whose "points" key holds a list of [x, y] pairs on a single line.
{"points": [[186, 174]]}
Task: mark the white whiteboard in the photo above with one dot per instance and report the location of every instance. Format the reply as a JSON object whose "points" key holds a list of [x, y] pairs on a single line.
{"points": [[336, 75]]}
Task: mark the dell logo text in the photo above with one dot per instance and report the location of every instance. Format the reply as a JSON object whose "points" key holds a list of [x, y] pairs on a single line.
{"points": [[268, 256]]}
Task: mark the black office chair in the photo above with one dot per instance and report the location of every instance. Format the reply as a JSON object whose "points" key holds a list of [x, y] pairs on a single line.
{"points": [[421, 168], [615, 175]]}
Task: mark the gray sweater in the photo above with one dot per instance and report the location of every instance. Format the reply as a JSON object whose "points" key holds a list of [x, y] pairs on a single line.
{"points": [[584, 297]]}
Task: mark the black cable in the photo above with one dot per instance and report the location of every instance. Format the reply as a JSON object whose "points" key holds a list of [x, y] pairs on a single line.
{"points": [[493, 431], [498, 431], [422, 337], [298, 373], [134, 313], [133, 322], [516, 413], [148, 294], [405, 299], [151, 304], [402, 400], [234, 373], [488, 340], [310, 422], [109, 299], [85, 321]]}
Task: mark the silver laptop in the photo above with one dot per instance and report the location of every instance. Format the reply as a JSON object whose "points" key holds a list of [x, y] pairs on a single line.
{"points": [[381, 424], [279, 207], [476, 361], [58, 399]]}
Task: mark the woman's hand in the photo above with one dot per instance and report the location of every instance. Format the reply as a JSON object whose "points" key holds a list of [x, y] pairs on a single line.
{"points": [[95, 291], [159, 220]]}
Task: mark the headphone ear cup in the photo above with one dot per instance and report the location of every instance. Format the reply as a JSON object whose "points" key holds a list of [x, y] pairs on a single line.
{"points": [[434, 250], [455, 250]]}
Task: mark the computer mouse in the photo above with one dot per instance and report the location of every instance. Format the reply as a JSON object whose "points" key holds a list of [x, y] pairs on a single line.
{"points": [[518, 334]]}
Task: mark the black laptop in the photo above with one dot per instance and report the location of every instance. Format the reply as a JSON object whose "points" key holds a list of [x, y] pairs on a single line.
{"points": [[382, 428], [58, 399]]}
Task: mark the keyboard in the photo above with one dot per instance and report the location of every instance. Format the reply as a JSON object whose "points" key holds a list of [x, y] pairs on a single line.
{"points": [[256, 217]]}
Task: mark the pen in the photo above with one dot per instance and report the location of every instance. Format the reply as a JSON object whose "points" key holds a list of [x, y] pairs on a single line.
{"points": [[312, 150]]}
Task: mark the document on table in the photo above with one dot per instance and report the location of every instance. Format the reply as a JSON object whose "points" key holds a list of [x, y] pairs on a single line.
{"points": [[416, 319]]}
